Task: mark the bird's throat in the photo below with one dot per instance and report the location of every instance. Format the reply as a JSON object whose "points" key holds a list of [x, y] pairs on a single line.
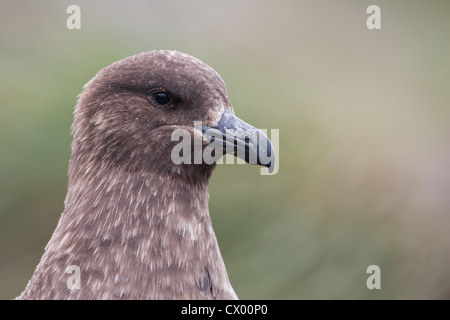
{"points": [[132, 236]]}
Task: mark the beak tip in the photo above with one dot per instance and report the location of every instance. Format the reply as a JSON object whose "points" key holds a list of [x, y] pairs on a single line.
{"points": [[271, 165]]}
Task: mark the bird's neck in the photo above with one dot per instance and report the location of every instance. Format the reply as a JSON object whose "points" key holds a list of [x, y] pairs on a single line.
{"points": [[137, 236]]}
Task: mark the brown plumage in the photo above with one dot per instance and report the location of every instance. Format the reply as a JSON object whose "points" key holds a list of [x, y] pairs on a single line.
{"points": [[136, 224]]}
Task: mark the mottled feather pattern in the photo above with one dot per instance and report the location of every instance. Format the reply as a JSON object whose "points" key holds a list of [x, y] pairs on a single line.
{"points": [[136, 224]]}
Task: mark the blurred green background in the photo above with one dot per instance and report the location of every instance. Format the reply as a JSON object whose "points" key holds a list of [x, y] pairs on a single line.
{"points": [[364, 120]]}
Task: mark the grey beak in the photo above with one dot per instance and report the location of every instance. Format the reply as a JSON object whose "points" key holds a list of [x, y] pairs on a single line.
{"points": [[242, 140]]}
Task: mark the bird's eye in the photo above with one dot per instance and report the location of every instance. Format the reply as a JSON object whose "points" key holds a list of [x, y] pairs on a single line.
{"points": [[161, 98]]}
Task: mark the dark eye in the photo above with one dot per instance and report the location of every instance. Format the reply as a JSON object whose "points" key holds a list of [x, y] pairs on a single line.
{"points": [[161, 98]]}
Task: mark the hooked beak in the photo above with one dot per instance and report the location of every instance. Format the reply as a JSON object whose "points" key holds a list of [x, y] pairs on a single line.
{"points": [[242, 140]]}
